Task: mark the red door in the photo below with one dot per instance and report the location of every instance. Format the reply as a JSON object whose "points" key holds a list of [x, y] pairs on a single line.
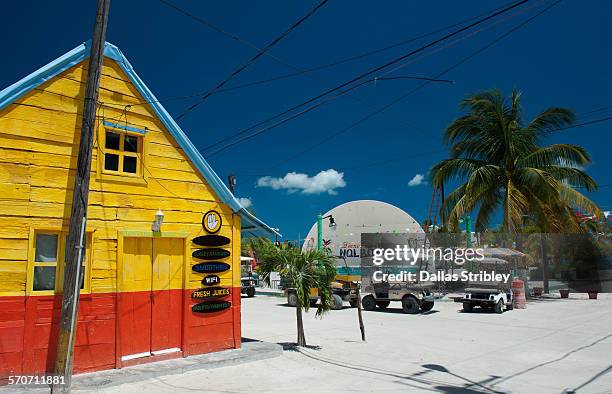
{"points": [[166, 316], [151, 297]]}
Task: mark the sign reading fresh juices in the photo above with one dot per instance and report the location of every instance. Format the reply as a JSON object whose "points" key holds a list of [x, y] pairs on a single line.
{"points": [[210, 292]]}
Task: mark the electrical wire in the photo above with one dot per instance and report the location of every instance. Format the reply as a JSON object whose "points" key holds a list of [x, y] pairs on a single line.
{"points": [[297, 70], [317, 105], [402, 97], [376, 69], [254, 58]]}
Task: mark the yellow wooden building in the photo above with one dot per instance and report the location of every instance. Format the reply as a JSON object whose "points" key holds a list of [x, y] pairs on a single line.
{"points": [[137, 294]]}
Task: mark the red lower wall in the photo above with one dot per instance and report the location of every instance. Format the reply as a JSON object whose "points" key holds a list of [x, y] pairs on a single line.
{"points": [[29, 325]]}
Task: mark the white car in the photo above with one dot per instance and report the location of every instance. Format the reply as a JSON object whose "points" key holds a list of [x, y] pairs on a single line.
{"points": [[493, 299]]}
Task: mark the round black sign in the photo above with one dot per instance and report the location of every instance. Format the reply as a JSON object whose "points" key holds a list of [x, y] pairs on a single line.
{"points": [[211, 240], [212, 267], [210, 253], [211, 306], [211, 280]]}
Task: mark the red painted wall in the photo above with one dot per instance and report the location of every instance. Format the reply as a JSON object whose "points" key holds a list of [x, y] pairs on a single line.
{"points": [[29, 326]]}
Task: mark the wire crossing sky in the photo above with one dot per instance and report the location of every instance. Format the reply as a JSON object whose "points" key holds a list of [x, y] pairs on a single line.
{"points": [[561, 57]]}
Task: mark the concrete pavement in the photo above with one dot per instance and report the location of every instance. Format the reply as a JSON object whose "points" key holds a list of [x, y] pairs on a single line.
{"points": [[553, 346]]}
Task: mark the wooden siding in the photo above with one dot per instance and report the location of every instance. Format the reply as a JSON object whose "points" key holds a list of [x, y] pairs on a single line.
{"points": [[38, 147]]}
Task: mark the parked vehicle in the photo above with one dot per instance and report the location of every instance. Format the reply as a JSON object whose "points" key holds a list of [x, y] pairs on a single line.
{"points": [[496, 299], [248, 281], [415, 298], [341, 291], [344, 288], [494, 296]]}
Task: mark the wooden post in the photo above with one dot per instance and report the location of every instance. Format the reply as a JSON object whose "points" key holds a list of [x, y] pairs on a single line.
{"points": [[76, 233], [359, 316]]}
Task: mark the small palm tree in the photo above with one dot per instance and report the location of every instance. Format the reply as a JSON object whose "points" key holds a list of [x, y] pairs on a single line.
{"points": [[498, 159], [303, 270]]}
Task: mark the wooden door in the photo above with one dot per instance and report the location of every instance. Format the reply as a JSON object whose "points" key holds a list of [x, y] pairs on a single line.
{"points": [[167, 295], [135, 298]]}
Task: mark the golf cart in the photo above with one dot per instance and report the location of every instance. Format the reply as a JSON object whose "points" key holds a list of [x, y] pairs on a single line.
{"points": [[494, 296], [344, 288], [247, 279]]}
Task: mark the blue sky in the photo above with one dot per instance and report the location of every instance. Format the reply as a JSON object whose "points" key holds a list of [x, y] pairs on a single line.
{"points": [[562, 58]]}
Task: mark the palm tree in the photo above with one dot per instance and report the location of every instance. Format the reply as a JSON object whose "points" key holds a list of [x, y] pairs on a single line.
{"points": [[304, 271], [500, 163]]}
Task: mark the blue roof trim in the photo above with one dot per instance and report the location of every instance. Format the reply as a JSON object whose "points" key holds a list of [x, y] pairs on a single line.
{"points": [[81, 52], [124, 127], [42, 75]]}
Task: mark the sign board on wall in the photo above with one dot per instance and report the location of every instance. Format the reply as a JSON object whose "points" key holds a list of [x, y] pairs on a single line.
{"points": [[211, 240], [212, 267], [210, 292], [211, 306], [211, 280], [211, 222]]}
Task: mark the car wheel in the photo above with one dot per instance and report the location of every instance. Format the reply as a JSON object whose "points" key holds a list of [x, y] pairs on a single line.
{"points": [[410, 305], [499, 307], [382, 304], [292, 299], [336, 302], [368, 303], [467, 307], [250, 292], [426, 306]]}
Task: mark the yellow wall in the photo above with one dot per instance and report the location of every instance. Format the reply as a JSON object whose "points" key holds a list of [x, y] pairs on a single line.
{"points": [[38, 151]]}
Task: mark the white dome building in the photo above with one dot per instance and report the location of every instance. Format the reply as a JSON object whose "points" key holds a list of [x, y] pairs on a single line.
{"points": [[356, 217]]}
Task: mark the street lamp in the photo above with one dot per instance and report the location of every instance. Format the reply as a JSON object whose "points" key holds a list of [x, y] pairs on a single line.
{"points": [[468, 235], [332, 225], [159, 219], [468, 229]]}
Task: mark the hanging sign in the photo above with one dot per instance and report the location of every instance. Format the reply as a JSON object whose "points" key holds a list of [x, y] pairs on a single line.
{"points": [[211, 280], [210, 292], [211, 221], [210, 268], [211, 306], [210, 253], [211, 240]]}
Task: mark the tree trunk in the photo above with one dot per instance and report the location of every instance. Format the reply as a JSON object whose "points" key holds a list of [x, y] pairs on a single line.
{"points": [[301, 338]]}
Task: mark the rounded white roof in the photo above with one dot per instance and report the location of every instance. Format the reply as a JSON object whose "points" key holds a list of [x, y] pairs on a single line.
{"points": [[356, 217]]}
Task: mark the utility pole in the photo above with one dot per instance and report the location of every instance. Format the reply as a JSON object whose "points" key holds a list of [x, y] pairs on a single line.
{"points": [[231, 181], [78, 217], [319, 232]]}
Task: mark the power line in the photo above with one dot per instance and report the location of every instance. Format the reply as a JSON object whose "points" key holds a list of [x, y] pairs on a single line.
{"points": [[298, 71], [254, 58], [316, 105], [376, 69], [402, 97], [579, 124]]}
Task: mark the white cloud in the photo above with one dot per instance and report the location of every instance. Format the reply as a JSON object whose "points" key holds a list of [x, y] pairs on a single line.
{"points": [[324, 182], [245, 202], [417, 180]]}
